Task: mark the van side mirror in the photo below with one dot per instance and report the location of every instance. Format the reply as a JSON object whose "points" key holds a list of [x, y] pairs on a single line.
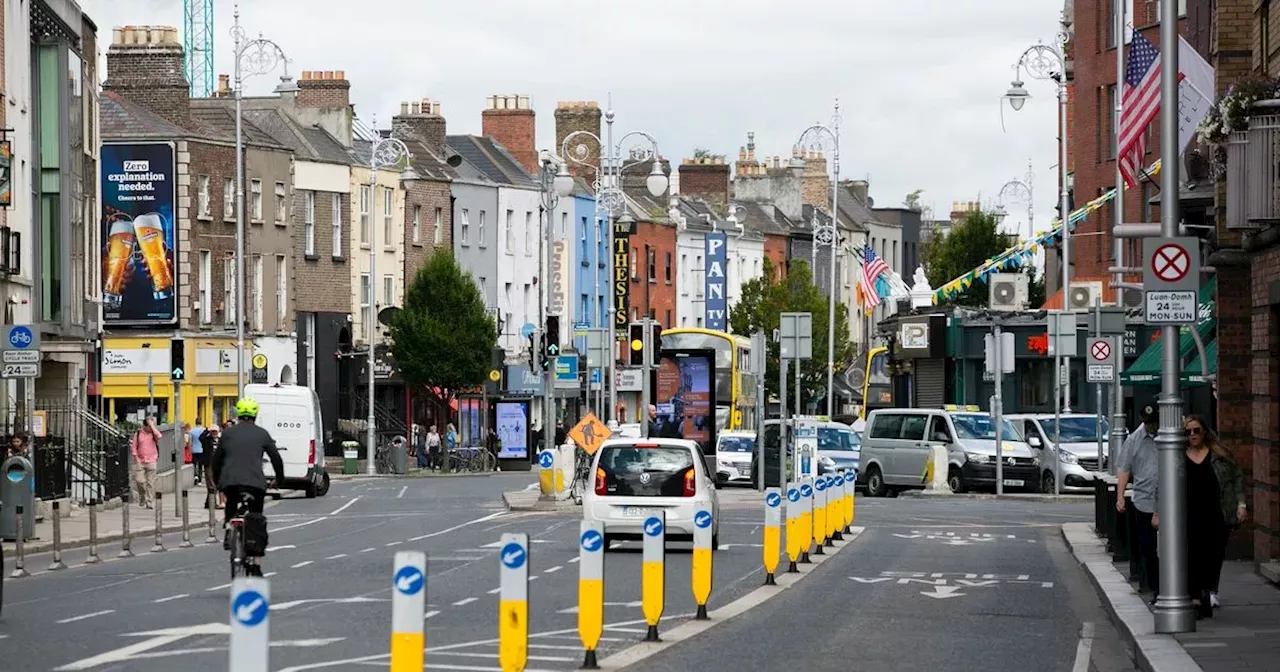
{"points": [[941, 437], [1034, 442]]}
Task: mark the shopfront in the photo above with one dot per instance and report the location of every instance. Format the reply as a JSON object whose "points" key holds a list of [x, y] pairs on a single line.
{"points": [[136, 375], [920, 360]]}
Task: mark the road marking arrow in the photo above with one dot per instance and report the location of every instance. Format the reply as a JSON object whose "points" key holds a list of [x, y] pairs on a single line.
{"points": [[944, 592], [907, 536], [859, 579], [956, 542]]}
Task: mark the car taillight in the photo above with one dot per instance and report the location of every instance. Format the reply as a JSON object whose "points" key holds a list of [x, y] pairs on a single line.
{"points": [[690, 483], [311, 456], [599, 481]]}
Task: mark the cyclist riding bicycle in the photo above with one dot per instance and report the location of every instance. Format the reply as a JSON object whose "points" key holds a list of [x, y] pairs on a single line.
{"points": [[237, 465]]}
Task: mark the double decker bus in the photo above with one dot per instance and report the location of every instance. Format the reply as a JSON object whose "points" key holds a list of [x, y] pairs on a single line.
{"points": [[736, 406], [877, 387]]}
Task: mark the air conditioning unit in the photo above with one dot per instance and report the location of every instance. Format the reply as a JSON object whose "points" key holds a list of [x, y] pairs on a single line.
{"points": [[1009, 291], [1082, 296]]}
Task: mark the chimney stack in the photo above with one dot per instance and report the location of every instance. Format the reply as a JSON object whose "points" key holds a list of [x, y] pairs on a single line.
{"points": [[815, 189], [324, 89], [509, 120], [144, 66], [572, 117], [423, 121], [706, 178], [861, 190], [224, 87]]}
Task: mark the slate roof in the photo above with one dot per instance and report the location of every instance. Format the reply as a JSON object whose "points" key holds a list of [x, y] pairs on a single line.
{"points": [[309, 144], [763, 218], [119, 118], [854, 214], [492, 160], [222, 121]]}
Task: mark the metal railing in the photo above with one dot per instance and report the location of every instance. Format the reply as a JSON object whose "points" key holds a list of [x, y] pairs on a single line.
{"points": [[1237, 181], [80, 455], [1262, 171]]}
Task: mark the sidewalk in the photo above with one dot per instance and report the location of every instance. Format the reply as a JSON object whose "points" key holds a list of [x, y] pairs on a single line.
{"points": [[1243, 635], [142, 523]]}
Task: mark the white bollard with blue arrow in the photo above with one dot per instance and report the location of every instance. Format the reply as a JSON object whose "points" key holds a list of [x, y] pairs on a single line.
{"points": [[250, 636]]}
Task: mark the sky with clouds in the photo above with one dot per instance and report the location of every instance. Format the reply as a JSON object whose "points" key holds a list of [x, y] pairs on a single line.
{"points": [[919, 81]]}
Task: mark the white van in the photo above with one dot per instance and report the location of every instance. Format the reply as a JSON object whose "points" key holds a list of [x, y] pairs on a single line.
{"points": [[291, 413]]}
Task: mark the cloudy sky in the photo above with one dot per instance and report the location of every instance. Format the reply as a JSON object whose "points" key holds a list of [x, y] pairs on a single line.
{"points": [[919, 81]]}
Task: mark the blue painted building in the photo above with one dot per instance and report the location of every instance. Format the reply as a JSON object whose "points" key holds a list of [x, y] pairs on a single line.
{"points": [[590, 263]]}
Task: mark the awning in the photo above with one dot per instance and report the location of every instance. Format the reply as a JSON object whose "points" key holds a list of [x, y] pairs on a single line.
{"points": [[1146, 370]]}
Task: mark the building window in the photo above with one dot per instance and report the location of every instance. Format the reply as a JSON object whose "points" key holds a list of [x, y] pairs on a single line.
{"points": [[417, 224], [206, 287], [281, 203], [465, 227], [229, 299], [309, 323], [582, 243], [668, 323], [282, 292], [529, 232], [388, 202], [438, 234], [668, 269], [508, 232], [684, 275], [635, 261], [484, 220], [255, 295], [388, 290], [255, 200], [652, 261], [584, 307], [202, 196], [1035, 383], [336, 207], [309, 222], [228, 200], [365, 196], [365, 314]]}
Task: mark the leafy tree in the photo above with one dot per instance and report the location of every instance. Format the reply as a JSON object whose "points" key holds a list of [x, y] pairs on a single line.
{"points": [[701, 153], [443, 338], [1036, 293], [912, 201], [760, 307], [970, 244]]}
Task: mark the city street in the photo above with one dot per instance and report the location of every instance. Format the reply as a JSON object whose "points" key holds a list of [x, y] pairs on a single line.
{"points": [[954, 584]]}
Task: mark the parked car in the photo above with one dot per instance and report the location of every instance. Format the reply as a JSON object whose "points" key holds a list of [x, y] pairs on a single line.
{"points": [[839, 447], [1078, 458], [734, 451]]}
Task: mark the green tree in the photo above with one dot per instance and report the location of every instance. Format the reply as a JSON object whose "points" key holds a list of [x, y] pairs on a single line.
{"points": [[912, 201], [969, 244], [701, 153], [1036, 294], [763, 301], [443, 338]]}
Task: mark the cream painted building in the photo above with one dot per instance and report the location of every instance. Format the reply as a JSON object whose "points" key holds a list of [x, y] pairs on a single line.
{"points": [[377, 220]]}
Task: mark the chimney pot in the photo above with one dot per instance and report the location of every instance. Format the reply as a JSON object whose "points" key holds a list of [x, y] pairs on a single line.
{"points": [[340, 74]]}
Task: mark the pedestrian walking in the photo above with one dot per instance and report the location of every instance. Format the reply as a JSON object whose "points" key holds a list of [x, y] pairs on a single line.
{"points": [[1138, 466], [18, 445], [209, 443], [145, 449], [1215, 506], [196, 446], [431, 442], [450, 446]]}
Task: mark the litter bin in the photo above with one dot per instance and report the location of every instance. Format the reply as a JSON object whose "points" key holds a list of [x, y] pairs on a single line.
{"points": [[350, 455], [16, 490], [398, 455]]}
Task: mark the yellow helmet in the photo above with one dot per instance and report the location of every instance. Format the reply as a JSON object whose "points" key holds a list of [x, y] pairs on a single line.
{"points": [[247, 408]]}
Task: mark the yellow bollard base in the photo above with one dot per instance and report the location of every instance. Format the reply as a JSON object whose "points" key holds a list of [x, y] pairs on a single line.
{"points": [[407, 651]]}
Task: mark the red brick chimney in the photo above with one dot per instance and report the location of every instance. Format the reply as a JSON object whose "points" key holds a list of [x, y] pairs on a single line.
{"points": [[144, 66], [510, 121], [706, 178], [423, 121], [324, 89]]}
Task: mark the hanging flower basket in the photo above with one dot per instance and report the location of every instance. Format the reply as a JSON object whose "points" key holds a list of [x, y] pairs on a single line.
{"points": [[1231, 112]]}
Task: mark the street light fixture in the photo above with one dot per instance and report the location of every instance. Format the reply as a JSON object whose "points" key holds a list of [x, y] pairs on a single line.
{"points": [[253, 57], [1016, 95], [816, 137], [386, 152], [611, 201], [1017, 188]]}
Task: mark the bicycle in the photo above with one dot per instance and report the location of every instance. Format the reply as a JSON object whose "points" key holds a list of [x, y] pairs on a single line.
{"points": [[581, 474], [475, 460], [235, 536], [382, 458]]}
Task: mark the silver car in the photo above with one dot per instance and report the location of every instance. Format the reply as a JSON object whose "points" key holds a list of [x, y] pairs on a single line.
{"points": [[1078, 459]]}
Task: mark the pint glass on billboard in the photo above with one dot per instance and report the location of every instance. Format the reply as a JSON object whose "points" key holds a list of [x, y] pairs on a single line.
{"points": [[150, 232], [119, 251]]}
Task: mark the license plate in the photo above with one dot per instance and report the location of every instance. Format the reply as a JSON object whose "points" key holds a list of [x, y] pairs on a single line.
{"points": [[638, 512], [1014, 482]]}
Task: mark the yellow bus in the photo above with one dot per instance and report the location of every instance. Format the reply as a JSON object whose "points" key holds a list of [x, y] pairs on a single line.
{"points": [[877, 387], [735, 384]]}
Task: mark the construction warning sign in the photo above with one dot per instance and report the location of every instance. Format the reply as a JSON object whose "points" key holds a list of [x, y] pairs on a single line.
{"points": [[590, 433]]}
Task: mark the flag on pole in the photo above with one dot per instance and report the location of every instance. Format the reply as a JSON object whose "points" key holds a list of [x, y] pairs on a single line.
{"points": [[872, 268], [1141, 104]]}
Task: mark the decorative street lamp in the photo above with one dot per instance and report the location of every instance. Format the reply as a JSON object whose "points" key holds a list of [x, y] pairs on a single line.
{"points": [[253, 57], [819, 137], [610, 201], [1018, 189]]}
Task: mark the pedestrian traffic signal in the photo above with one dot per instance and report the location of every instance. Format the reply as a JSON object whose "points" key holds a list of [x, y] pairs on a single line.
{"points": [[177, 359], [551, 344]]}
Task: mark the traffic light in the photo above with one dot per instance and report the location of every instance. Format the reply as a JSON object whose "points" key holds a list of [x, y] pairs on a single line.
{"points": [[636, 333], [533, 349], [551, 346], [177, 359]]}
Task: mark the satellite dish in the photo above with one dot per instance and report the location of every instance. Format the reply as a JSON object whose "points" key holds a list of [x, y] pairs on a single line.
{"points": [[1196, 167], [454, 161], [387, 316]]}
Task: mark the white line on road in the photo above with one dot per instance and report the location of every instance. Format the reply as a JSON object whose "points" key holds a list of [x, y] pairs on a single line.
{"points": [[269, 575], [344, 507], [302, 564], [459, 527], [82, 617], [313, 521], [470, 654], [429, 614], [495, 591], [393, 543], [553, 570], [1084, 649], [335, 557], [574, 559], [368, 550], [464, 601], [222, 587], [402, 490], [170, 598]]}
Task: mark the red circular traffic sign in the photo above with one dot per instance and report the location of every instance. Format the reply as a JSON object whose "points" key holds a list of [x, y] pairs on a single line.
{"points": [[1170, 262], [1101, 351]]}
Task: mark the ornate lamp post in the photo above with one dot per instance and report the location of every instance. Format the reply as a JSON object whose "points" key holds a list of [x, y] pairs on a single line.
{"points": [[819, 137], [1020, 189]]}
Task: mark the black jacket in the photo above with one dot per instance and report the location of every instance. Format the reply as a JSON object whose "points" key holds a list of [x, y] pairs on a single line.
{"points": [[238, 460]]}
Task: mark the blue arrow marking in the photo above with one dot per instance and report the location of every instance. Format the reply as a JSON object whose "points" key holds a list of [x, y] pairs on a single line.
{"points": [[806, 490], [702, 519], [249, 608], [408, 580], [773, 499], [793, 494], [653, 527], [20, 337], [546, 459], [513, 555], [820, 484], [839, 481], [592, 541]]}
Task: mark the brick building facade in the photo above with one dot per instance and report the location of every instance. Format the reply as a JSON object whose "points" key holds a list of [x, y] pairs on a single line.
{"points": [[510, 121]]}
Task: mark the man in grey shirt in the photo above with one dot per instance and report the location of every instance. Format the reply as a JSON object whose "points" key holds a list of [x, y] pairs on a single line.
{"points": [[1138, 463]]}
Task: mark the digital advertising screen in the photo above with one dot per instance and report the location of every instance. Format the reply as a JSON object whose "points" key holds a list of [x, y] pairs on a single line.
{"points": [[512, 419], [685, 397], [138, 233]]}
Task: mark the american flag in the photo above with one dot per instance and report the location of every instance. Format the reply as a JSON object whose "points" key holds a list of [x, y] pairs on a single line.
{"points": [[1141, 101], [872, 268]]}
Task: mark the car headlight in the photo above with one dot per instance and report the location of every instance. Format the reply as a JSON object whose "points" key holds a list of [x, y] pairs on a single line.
{"points": [[1068, 458], [977, 458], [826, 461]]}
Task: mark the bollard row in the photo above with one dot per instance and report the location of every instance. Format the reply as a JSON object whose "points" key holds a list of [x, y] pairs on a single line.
{"points": [[817, 512]]}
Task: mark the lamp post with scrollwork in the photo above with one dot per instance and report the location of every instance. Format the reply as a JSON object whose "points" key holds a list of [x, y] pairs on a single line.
{"points": [[820, 137], [1018, 189]]}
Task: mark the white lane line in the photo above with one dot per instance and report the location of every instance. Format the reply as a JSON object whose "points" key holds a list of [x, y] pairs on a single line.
{"points": [[335, 557], [313, 521], [344, 507], [533, 578], [464, 601], [469, 654], [222, 587], [429, 614], [302, 564], [269, 575], [82, 617], [574, 559], [1084, 649], [639, 631], [170, 598], [393, 543], [553, 570], [460, 526], [368, 550], [556, 647], [402, 490], [495, 591]]}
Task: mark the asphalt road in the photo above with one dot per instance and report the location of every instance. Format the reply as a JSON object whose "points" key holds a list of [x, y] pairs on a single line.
{"points": [[330, 569], [951, 585]]}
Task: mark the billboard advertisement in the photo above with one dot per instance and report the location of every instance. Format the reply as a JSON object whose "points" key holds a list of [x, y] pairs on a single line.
{"points": [[685, 399], [621, 279], [139, 233], [512, 419], [716, 306]]}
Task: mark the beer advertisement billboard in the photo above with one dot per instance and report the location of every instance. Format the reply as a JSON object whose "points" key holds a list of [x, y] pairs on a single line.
{"points": [[139, 233]]}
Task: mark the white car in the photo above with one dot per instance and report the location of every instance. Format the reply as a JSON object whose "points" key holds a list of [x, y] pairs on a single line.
{"points": [[733, 456], [634, 478]]}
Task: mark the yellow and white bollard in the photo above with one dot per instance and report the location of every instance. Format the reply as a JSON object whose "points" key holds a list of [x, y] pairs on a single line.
{"points": [[591, 590], [653, 573], [819, 514], [773, 534], [806, 519], [408, 601], [703, 532], [513, 602], [850, 490], [547, 472]]}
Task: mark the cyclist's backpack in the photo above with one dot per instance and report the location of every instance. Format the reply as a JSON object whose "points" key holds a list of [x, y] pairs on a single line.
{"points": [[255, 535]]}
